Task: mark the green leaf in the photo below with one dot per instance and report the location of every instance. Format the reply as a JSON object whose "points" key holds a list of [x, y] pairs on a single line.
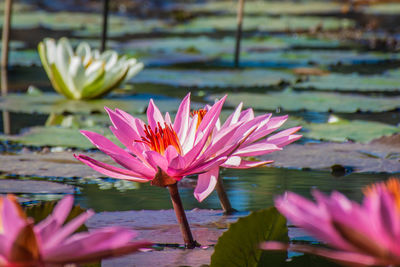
{"points": [[239, 245], [313, 101], [344, 130], [214, 78], [352, 82], [310, 260], [53, 103]]}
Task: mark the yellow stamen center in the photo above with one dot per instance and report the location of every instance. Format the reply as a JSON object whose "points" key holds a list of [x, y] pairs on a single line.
{"points": [[200, 115]]}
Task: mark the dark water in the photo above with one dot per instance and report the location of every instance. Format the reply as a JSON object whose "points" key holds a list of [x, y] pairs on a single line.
{"points": [[252, 189]]}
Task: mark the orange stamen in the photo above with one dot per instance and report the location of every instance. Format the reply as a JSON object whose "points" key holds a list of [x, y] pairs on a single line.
{"points": [[200, 115], [392, 186], [161, 138]]}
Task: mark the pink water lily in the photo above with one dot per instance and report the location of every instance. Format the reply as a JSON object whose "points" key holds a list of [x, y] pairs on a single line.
{"points": [[257, 142], [52, 243], [364, 234], [160, 151]]}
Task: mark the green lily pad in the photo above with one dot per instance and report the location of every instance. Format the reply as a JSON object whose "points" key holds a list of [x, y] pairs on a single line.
{"points": [[263, 23], [343, 130], [383, 9], [306, 57], [214, 78], [25, 58], [270, 8], [352, 82], [314, 101], [212, 46], [58, 137], [82, 23], [239, 245], [52, 103]]}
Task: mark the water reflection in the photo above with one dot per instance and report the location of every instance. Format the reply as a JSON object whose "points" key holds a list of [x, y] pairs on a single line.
{"points": [[252, 189]]}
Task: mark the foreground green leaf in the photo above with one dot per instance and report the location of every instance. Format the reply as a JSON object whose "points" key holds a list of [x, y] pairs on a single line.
{"points": [[239, 245]]}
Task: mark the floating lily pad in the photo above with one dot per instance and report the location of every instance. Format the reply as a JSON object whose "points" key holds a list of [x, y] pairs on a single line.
{"points": [[271, 8], [314, 101], [344, 130], [383, 9], [375, 157], [264, 23], [53, 103], [215, 46], [25, 58], [353, 82], [82, 23], [239, 245], [57, 137], [34, 187], [214, 78], [296, 58]]}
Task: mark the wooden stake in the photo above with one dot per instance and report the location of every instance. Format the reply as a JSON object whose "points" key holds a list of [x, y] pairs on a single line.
{"points": [[239, 32], [5, 46], [105, 25], [181, 216]]}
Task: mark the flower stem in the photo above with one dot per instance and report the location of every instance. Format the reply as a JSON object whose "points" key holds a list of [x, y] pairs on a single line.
{"points": [[223, 197], [181, 216]]}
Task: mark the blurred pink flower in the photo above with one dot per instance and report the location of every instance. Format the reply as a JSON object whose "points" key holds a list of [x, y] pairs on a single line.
{"points": [[360, 235], [256, 143], [50, 242]]}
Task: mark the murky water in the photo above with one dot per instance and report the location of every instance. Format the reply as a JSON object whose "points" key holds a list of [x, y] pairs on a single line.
{"points": [[248, 190]]}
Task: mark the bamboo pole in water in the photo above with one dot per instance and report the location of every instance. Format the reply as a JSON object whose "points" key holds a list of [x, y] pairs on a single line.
{"points": [[105, 25], [4, 61], [5, 46], [240, 11]]}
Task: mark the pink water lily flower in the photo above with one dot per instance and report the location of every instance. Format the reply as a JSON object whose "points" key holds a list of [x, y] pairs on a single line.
{"points": [[52, 243], [161, 151], [256, 129], [364, 234]]}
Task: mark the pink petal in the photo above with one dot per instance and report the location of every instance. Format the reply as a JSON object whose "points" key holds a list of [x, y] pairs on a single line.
{"points": [[119, 155], [256, 149], [181, 122], [154, 115], [156, 160], [246, 164], [112, 171], [206, 183]]}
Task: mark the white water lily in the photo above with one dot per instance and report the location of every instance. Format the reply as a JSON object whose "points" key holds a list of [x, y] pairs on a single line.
{"points": [[84, 73]]}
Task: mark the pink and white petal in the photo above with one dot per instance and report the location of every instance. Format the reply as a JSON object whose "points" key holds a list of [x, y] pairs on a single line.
{"points": [[171, 153], [155, 159], [285, 140], [200, 168], [118, 154], [234, 117], [12, 222], [206, 183], [128, 128], [352, 259], [246, 164], [113, 171], [246, 115], [256, 149], [154, 115], [167, 118], [212, 116], [187, 141], [181, 122], [273, 124]]}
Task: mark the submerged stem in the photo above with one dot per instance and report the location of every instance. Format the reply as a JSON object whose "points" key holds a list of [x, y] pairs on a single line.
{"points": [[223, 197], [181, 216]]}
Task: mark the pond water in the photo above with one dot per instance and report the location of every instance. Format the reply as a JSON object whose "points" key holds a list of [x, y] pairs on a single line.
{"points": [[305, 59]]}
